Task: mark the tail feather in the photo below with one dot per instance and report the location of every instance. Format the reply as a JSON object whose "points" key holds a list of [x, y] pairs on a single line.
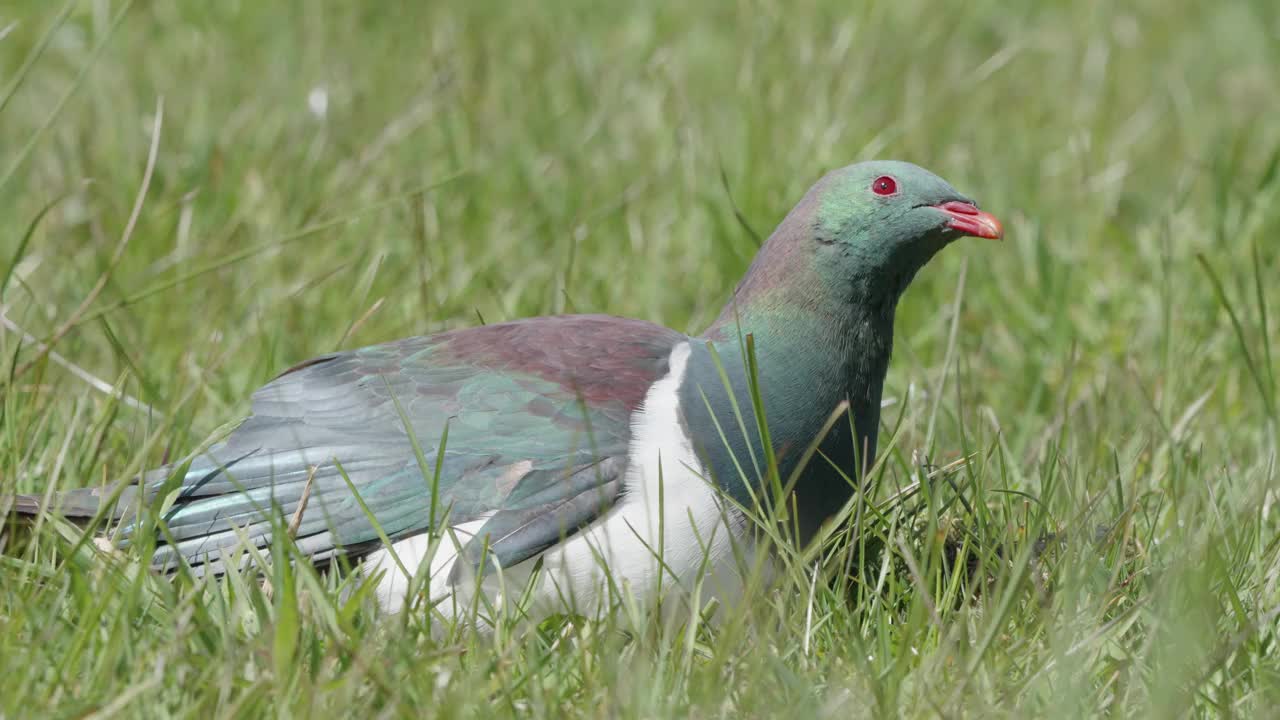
{"points": [[22, 504], [82, 503]]}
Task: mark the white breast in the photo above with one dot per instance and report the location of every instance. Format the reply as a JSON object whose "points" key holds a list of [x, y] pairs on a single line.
{"points": [[667, 507]]}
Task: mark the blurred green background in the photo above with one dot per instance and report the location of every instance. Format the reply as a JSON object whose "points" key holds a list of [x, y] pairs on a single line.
{"points": [[337, 174]]}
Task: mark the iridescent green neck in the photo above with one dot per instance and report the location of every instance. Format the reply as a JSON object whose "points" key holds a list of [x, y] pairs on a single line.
{"points": [[823, 332], [819, 302], [817, 344]]}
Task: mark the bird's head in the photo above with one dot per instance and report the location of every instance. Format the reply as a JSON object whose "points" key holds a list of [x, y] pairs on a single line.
{"points": [[887, 218], [856, 239]]}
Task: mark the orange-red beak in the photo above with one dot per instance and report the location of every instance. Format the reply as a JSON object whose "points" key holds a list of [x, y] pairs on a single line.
{"points": [[970, 220]]}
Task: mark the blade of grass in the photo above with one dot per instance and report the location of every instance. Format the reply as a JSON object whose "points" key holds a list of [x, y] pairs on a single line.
{"points": [[1263, 388]]}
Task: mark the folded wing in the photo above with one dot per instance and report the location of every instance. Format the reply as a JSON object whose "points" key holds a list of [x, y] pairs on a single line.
{"points": [[537, 414]]}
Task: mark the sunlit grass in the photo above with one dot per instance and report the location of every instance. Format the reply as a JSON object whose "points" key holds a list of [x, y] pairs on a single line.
{"points": [[332, 175]]}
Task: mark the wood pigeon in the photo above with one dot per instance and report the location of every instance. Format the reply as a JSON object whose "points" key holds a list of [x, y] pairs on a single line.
{"points": [[608, 452]]}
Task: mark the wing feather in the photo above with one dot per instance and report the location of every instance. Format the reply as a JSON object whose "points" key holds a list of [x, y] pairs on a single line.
{"points": [[538, 414]]}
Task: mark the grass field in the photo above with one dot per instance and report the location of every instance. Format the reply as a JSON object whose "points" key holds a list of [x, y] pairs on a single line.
{"points": [[196, 195]]}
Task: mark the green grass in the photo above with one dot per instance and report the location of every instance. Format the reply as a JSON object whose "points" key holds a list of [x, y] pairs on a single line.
{"points": [[1111, 365]]}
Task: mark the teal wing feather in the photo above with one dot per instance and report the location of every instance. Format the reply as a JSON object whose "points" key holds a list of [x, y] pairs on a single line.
{"points": [[538, 418]]}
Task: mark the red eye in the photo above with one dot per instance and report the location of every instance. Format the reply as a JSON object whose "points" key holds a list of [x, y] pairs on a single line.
{"points": [[884, 185]]}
